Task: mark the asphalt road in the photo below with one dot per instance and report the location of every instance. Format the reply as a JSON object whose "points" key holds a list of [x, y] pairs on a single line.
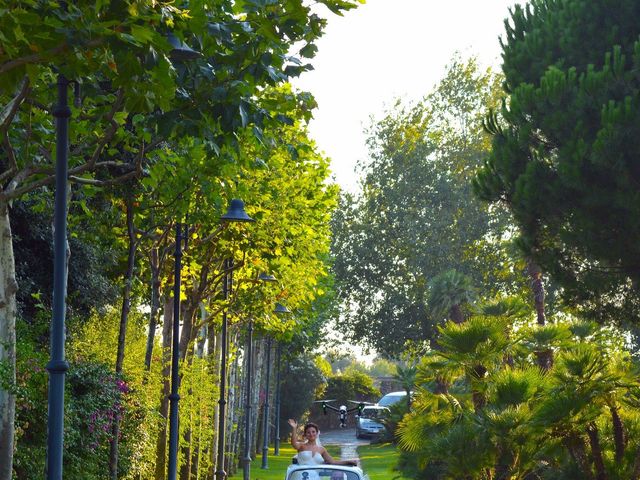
{"points": [[346, 439], [342, 436]]}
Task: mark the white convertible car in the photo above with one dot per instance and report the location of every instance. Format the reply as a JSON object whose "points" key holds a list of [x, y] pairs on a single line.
{"points": [[324, 472]]}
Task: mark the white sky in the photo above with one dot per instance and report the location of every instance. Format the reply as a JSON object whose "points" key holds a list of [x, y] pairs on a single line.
{"points": [[387, 49]]}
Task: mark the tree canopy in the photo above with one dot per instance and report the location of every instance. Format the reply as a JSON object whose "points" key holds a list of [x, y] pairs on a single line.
{"points": [[416, 217], [564, 149]]}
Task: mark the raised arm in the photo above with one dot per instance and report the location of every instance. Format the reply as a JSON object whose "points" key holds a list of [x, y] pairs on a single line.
{"points": [[295, 443], [331, 461]]}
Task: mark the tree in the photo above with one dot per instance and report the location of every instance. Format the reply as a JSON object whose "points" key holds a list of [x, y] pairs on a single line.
{"points": [[564, 148], [448, 293], [416, 216], [136, 100]]}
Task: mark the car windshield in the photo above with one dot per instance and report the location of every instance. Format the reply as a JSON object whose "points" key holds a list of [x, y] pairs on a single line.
{"points": [[322, 474], [389, 400], [373, 413]]}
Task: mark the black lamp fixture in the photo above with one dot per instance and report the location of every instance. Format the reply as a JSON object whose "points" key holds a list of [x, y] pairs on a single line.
{"points": [[265, 277], [235, 213], [180, 50], [281, 309]]}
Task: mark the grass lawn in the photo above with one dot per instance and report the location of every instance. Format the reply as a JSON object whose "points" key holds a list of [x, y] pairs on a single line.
{"points": [[277, 465], [378, 461]]}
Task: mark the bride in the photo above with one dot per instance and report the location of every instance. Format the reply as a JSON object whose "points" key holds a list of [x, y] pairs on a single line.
{"points": [[311, 452]]}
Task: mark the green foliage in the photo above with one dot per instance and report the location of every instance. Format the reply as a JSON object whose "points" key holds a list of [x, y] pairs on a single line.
{"points": [[512, 420], [302, 382], [564, 149], [417, 217], [448, 292]]}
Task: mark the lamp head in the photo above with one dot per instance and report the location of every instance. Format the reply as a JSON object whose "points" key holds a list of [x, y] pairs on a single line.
{"points": [[180, 50], [236, 212], [265, 277], [281, 309]]}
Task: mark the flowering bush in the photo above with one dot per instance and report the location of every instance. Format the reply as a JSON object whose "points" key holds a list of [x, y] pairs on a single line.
{"points": [[95, 402]]}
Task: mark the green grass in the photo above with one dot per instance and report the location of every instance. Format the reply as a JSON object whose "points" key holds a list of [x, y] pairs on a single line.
{"points": [[378, 461], [277, 465]]}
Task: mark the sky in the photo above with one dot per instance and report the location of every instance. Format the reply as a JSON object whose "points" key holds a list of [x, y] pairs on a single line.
{"points": [[388, 49]]}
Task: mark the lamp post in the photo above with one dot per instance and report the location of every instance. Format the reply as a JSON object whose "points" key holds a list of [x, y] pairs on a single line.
{"points": [[246, 465], [174, 397], [235, 213], [280, 310], [58, 365]]}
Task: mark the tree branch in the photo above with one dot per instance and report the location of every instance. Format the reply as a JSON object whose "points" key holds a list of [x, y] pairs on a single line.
{"points": [[43, 56]]}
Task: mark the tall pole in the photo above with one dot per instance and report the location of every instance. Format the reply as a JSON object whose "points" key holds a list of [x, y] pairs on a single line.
{"points": [[220, 473], [58, 365], [265, 430], [276, 449], [174, 397], [247, 408]]}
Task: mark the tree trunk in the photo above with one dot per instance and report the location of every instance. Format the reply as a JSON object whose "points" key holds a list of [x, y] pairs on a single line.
{"points": [[537, 288], [232, 423], [456, 314], [618, 434], [161, 444], [479, 400], [544, 358], [215, 352], [186, 467], [576, 447], [8, 289], [596, 451], [259, 359], [441, 384], [636, 466], [155, 306], [122, 332]]}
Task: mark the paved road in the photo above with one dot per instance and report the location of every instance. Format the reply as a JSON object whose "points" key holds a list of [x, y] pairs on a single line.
{"points": [[347, 440]]}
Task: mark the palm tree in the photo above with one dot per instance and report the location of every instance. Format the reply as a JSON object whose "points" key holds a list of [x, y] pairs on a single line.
{"points": [[448, 293], [474, 348], [407, 378]]}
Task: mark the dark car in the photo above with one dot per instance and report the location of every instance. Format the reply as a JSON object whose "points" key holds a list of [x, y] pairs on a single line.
{"points": [[368, 423]]}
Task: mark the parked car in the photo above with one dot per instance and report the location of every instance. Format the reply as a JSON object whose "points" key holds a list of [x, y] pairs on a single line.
{"points": [[391, 398], [324, 472], [368, 422]]}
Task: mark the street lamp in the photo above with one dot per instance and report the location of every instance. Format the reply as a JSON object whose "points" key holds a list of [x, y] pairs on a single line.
{"points": [[280, 310], [235, 213], [58, 365], [174, 397], [246, 471]]}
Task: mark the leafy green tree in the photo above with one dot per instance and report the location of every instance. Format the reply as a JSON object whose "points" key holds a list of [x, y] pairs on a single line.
{"points": [[564, 148], [302, 381], [416, 216], [137, 99]]}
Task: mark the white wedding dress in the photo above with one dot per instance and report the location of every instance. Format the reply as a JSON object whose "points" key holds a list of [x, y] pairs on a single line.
{"points": [[307, 457]]}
